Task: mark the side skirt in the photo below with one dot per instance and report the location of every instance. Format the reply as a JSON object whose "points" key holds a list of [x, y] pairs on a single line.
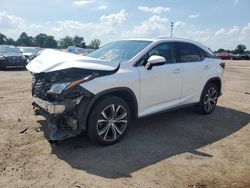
{"points": [[170, 109]]}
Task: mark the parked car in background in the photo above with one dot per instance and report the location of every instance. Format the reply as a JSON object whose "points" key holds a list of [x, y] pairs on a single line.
{"points": [[102, 92], [242, 57], [230, 56], [226, 56], [30, 52], [11, 57]]}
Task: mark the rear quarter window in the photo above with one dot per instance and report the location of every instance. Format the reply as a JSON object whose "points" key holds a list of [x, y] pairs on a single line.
{"points": [[209, 54]]}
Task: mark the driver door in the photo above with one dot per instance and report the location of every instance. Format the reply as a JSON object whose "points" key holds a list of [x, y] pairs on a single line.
{"points": [[160, 87]]}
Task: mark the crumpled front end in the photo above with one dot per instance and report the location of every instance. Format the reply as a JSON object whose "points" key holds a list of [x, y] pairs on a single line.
{"points": [[57, 88], [57, 96]]}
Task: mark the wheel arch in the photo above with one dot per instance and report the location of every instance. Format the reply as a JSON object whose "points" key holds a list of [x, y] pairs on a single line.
{"points": [[123, 92], [216, 81]]}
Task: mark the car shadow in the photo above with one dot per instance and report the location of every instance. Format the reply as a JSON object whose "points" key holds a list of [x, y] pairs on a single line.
{"points": [[150, 140]]}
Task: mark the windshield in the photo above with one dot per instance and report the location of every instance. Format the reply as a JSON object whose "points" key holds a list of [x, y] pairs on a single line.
{"points": [[9, 50], [30, 50], [119, 51]]}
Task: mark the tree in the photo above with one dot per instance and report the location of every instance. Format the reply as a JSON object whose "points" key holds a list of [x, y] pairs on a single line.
{"points": [[221, 50], [95, 44], [25, 40], [66, 42], [39, 40], [49, 42], [79, 41], [240, 49], [10, 41], [3, 38]]}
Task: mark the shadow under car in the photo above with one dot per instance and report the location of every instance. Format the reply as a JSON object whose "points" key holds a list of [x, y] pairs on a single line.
{"points": [[150, 140]]}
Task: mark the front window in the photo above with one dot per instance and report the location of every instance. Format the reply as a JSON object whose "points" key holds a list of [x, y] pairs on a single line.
{"points": [[119, 51], [165, 50]]}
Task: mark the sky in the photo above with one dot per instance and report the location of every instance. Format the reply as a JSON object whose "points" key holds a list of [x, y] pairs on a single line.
{"points": [[216, 23]]}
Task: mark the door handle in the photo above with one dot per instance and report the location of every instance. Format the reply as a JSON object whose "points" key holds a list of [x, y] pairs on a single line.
{"points": [[206, 67], [176, 71]]}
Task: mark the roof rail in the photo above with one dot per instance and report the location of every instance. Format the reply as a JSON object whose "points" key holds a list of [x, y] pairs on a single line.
{"points": [[163, 37]]}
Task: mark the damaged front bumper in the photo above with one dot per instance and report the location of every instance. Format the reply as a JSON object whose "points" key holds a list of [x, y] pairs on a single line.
{"points": [[60, 109], [61, 117], [61, 99], [50, 107]]}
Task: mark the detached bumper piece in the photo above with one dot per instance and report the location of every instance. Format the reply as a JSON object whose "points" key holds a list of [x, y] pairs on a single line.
{"points": [[61, 118], [58, 133]]}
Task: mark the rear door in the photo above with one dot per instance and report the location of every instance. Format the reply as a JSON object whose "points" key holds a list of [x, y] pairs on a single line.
{"points": [[194, 71]]}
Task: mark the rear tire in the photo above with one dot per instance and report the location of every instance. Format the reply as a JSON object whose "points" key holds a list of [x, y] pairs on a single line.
{"points": [[208, 99], [108, 120]]}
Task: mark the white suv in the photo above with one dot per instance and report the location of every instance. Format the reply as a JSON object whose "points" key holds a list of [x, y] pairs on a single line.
{"points": [[102, 92]]}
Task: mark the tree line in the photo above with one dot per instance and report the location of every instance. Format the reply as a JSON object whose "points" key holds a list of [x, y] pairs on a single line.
{"points": [[48, 41], [240, 49]]}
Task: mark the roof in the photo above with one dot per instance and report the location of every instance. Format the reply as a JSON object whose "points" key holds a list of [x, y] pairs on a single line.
{"points": [[173, 39], [164, 39]]}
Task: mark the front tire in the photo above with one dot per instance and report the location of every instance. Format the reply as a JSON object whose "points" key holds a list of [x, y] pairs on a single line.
{"points": [[108, 120], [208, 99]]}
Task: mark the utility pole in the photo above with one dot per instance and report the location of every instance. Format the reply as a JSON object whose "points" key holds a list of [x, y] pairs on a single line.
{"points": [[172, 27]]}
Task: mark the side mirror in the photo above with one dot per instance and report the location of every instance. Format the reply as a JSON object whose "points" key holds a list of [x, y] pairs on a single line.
{"points": [[155, 60]]}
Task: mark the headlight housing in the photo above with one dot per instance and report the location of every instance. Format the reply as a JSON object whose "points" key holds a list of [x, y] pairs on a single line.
{"points": [[57, 88], [77, 82]]}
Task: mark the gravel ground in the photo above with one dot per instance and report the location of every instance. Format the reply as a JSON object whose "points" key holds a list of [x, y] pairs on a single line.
{"points": [[173, 149]]}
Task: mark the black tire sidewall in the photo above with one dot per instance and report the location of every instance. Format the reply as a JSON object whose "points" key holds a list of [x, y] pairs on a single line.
{"points": [[99, 106], [200, 107]]}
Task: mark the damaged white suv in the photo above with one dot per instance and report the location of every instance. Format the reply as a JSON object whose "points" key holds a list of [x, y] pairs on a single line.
{"points": [[102, 92]]}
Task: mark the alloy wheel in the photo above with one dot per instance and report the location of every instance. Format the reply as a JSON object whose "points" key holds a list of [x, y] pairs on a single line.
{"points": [[210, 99], [112, 122]]}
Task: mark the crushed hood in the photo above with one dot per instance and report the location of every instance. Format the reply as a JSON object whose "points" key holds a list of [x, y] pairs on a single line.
{"points": [[54, 60]]}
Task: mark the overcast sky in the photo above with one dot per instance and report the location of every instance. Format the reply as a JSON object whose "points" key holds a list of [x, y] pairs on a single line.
{"points": [[216, 23]]}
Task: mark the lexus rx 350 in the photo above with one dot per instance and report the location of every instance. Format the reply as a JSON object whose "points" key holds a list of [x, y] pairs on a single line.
{"points": [[103, 92]]}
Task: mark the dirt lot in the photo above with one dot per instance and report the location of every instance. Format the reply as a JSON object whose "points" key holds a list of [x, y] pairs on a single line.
{"points": [[174, 149]]}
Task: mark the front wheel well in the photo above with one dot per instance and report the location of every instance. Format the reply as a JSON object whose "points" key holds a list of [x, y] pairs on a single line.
{"points": [[124, 93]]}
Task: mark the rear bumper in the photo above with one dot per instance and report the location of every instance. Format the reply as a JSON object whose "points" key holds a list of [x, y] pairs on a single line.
{"points": [[50, 107]]}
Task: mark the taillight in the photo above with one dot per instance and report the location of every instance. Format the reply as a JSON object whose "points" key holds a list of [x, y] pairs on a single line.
{"points": [[222, 65]]}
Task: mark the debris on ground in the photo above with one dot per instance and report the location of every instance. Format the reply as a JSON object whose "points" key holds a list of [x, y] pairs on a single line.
{"points": [[38, 129], [23, 131]]}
